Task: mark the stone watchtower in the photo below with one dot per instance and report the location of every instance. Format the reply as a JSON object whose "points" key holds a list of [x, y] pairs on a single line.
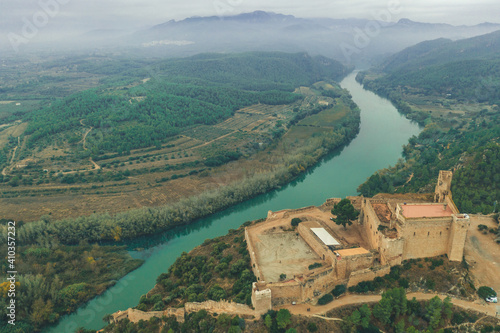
{"points": [[443, 186], [460, 222], [458, 234]]}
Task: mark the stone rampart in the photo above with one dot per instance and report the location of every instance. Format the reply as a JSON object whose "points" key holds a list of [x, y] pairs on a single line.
{"points": [[318, 283], [370, 224], [320, 249], [241, 310], [253, 257], [289, 212], [135, 315], [367, 274], [391, 250]]}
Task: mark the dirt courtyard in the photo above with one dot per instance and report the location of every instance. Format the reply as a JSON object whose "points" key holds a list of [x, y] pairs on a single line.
{"points": [[283, 253], [482, 254]]}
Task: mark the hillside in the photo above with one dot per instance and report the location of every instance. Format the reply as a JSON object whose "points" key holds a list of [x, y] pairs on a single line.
{"points": [[443, 51], [156, 132], [452, 88], [467, 70], [205, 89]]}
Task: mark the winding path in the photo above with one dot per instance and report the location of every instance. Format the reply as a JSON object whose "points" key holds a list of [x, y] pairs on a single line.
{"points": [[84, 139], [321, 310], [95, 166], [4, 171]]}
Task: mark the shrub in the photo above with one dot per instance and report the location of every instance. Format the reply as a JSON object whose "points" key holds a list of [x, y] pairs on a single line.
{"points": [[403, 283], [312, 327], [296, 221], [430, 284], [482, 227], [325, 299], [484, 292], [315, 265], [339, 290], [436, 263]]}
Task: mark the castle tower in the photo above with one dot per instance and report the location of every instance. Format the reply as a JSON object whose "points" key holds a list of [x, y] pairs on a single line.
{"points": [[458, 233], [261, 298], [443, 186]]}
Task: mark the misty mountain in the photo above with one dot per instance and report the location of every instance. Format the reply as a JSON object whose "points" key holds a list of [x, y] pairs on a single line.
{"points": [[362, 42], [347, 40]]}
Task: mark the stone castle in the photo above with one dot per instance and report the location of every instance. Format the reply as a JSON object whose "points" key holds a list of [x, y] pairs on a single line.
{"points": [[388, 232]]}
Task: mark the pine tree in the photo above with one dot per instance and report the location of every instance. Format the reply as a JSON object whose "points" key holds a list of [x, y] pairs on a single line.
{"points": [[345, 213]]}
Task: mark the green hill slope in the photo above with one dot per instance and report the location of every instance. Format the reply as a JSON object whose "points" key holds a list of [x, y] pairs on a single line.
{"points": [[454, 89], [175, 94]]}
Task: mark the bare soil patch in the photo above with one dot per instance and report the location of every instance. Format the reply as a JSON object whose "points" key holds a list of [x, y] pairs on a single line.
{"points": [[283, 253], [482, 254]]}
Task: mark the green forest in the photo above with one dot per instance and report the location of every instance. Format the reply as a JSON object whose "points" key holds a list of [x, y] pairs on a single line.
{"points": [[143, 221], [465, 81], [175, 94], [56, 279], [218, 269]]}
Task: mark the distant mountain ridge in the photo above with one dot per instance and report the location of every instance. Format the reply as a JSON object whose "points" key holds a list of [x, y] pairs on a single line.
{"points": [[467, 70], [347, 40], [441, 51], [268, 31]]}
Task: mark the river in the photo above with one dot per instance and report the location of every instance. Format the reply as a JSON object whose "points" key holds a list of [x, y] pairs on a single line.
{"points": [[379, 144]]}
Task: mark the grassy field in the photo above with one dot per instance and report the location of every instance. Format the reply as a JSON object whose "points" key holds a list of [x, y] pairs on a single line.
{"points": [[327, 118]]}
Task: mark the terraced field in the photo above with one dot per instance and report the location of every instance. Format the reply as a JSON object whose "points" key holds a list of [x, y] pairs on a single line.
{"points": [[161, 174]]}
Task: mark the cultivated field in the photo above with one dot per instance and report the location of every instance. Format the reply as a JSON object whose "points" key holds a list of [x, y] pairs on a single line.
{"points": [[73, 185]]}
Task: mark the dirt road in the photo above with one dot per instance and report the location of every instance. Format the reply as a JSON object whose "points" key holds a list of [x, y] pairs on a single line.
{"points": [[95, 166], [4, 171], [301, 309]]}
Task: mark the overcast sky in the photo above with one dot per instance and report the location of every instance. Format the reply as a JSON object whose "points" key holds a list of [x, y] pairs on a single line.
{"points": [[84, 15]]}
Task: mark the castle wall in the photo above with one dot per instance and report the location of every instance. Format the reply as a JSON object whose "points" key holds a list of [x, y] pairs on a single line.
{"points": [[317, 246], [348, 264], [448, 200], [284, 292], [367, 274], [178, 313], [391, 251], [253, 257], [426, 237], [135, 315], [287, 213], [261, 297], [319, 283], [220, 307], [458, 234], [370, 224], [443, 186]]}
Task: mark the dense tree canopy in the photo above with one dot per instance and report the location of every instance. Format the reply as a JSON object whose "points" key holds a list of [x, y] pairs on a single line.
{"points": [[345, 213]]}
